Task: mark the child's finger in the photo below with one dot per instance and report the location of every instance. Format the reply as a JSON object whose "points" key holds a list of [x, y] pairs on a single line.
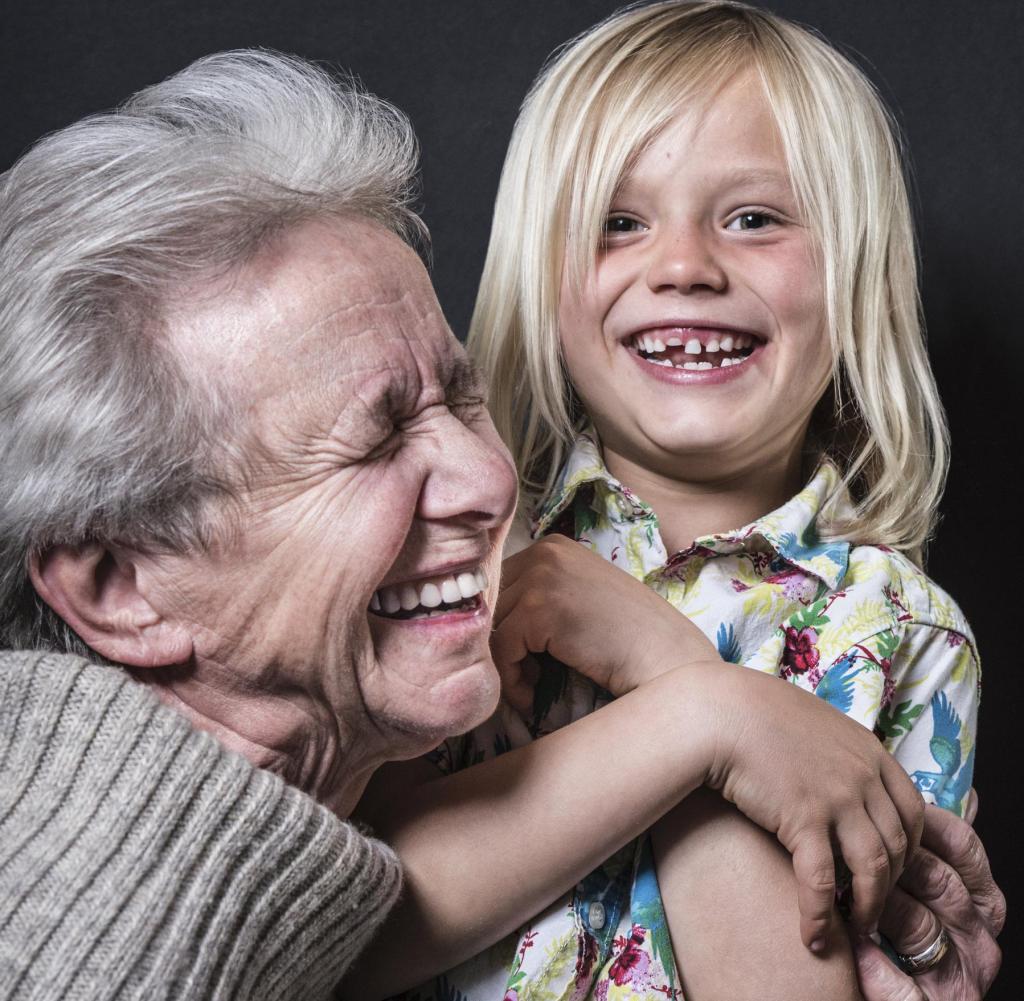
{"points": [[509, 643], [865, 854], [906, 798], [889, 824], [815, 872], [517, 684]]}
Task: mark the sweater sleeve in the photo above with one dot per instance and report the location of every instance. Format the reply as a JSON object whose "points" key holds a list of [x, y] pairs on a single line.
{"points": [[140, 859]]}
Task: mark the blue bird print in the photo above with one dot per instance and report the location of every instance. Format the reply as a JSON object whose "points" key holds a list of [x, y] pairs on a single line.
{"points": [[809, 546], [836, 685], [949, 785]]}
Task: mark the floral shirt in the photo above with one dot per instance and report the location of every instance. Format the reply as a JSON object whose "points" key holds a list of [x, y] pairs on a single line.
{"points": [[860, 626]]}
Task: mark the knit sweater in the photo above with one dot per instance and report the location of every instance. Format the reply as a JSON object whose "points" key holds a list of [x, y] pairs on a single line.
{"points": [[140, 859]]}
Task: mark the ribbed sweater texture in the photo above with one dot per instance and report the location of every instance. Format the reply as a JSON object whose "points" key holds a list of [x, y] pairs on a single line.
{"points": [[139, 859]]}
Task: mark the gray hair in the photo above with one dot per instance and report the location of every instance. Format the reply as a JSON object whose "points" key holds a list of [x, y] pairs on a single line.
{"points": [[102, 436]]}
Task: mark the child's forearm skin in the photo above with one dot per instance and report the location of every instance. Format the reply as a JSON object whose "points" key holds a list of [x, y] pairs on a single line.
{"points": [[729, 894], [481, 848]]}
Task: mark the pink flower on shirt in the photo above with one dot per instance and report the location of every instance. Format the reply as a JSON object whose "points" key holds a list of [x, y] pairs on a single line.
{"points": [[801, 653], [632, 961]]}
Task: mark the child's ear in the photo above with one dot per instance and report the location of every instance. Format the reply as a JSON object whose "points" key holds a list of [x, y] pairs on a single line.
{"points": [[96, 593]]}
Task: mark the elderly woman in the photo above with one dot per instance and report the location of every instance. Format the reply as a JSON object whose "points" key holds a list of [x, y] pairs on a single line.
{"points": [[231, 411], [245, 461]]}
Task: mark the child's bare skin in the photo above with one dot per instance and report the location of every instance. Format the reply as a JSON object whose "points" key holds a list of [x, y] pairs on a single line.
{"points": [[468, 841]]}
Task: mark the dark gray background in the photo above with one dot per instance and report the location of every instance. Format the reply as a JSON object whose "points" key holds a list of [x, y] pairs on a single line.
{"points": [[952, 72]]}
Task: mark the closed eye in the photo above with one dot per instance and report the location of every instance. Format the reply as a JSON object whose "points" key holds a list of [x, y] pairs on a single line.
{"points": [[466, 393]]}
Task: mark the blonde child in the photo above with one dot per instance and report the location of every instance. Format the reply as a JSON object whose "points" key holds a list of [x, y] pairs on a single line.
{"points": [[699, 320]]}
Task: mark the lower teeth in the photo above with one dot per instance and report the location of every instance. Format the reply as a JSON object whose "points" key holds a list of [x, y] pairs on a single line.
{"points": [[700, 366]]}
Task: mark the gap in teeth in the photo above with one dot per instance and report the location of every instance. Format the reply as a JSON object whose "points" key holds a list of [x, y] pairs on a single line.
{"points": [[421, 598], [649, 348]]}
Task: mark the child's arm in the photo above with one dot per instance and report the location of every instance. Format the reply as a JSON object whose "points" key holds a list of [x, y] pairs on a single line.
{"points": [[487, 848], [730, 898], [725, 902]]}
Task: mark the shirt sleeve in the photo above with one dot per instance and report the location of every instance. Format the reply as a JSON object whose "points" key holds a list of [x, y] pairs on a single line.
{"points": [[919, 691], [930, 723]]}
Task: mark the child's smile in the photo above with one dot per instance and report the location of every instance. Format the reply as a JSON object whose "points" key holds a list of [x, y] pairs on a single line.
{"points": [[698, 344], [694, 351]]}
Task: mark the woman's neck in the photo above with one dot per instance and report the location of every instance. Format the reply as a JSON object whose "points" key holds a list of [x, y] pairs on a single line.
{"points": [[690, 508]]}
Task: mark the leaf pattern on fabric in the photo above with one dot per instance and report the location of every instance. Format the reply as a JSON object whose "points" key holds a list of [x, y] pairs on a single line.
{"points": [[860, 626], [728, 646]]}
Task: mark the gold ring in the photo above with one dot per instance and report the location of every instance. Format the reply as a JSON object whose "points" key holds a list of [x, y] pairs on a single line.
{"points": [[927, 959]]}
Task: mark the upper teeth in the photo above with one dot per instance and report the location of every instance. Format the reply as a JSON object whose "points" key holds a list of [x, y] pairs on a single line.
{"points": [[450, 590], [654, 345]]}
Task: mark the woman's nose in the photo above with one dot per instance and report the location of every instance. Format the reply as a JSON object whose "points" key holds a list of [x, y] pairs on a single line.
{"points": [[685, 261], [471, 476]]}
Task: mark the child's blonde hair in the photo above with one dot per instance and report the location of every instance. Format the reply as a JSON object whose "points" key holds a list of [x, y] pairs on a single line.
{"points": [[585, 121]]}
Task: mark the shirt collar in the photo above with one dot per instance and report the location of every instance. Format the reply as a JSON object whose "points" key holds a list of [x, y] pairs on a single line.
{"points": [[790, 530]]}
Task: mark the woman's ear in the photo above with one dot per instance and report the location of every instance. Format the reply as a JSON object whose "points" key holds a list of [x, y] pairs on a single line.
{"points": [[96, 594]]}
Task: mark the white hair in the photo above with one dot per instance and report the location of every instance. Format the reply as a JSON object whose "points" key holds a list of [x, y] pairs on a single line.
{"points": [[102, 436]]}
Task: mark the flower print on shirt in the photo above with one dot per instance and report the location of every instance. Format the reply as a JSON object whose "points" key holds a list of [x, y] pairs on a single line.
{"points": [[859, 626], [801, 653], [632, 960]]}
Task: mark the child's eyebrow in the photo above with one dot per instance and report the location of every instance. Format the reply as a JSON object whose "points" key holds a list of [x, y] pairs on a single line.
{"points": [[756, 175]]}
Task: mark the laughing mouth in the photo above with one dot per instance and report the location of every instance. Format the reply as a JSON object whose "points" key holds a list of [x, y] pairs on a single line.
{"points": [[431, 597], [693, 350]]}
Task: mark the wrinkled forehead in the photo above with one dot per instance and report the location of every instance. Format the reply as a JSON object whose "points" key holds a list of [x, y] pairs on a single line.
{"points": [[330, 311]]}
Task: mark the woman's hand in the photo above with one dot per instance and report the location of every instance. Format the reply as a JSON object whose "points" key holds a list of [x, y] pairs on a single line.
{"points": [[822, 783], [947, 884], [560, 598]]}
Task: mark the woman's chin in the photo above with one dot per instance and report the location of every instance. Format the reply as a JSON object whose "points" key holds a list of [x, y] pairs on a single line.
{"points": [[425, 715]]}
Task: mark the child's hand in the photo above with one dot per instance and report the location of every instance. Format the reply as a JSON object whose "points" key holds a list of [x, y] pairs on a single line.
{"points": [[822, 783], [559, 597]]}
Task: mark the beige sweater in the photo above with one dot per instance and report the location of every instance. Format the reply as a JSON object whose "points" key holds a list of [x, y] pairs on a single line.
{"points": [[141, 860]]}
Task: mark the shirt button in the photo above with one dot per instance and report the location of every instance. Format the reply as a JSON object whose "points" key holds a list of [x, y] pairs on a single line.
{"points": [[596, 915]]}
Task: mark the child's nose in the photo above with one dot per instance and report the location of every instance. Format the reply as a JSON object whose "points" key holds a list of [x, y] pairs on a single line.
{"points": [[684, 261]]}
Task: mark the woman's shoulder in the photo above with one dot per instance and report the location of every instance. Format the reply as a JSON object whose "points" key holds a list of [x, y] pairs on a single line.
{"points": [[116, 809]]}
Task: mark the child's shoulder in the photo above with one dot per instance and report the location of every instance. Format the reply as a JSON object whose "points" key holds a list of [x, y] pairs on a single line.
{"points": [[915, 597]]}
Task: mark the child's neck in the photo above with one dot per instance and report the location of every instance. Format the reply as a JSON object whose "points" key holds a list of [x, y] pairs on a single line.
{"points": [[690, 508]]}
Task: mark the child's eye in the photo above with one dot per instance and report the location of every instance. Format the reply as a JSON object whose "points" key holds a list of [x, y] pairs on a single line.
{"points": [[617, 225], [752, 220]]}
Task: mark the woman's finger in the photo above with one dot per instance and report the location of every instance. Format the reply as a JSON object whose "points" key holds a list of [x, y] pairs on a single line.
{"points": [[912, 926], [971, 810], [908, 924], [956, 843], [815, 870], [879, 979], [938, 886], [866, 856]]}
